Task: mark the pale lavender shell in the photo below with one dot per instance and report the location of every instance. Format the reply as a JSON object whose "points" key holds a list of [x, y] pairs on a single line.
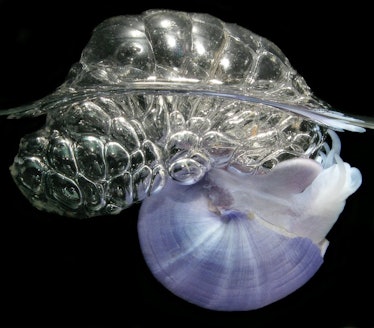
{"points": [[222, 262], [240, 242]]}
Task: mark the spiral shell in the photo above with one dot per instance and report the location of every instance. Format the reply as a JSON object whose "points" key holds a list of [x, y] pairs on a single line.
{"points": [[240, 242]]}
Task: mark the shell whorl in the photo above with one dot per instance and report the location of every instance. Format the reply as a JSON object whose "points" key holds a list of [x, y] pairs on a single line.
{"points": [[223, 260], [237, 242]]}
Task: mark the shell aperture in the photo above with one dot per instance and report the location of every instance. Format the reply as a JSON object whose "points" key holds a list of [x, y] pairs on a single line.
{"points": [[209, 125]]}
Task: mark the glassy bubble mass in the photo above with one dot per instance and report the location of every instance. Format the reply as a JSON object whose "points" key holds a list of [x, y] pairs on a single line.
{"points": [[235, 161]]}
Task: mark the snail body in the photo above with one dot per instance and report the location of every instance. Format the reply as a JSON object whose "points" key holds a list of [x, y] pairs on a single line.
{"points": [[211, 128]]}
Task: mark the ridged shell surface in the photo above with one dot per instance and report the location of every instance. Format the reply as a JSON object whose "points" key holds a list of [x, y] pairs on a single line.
{"points": [[225, 261], [236, 242]]}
